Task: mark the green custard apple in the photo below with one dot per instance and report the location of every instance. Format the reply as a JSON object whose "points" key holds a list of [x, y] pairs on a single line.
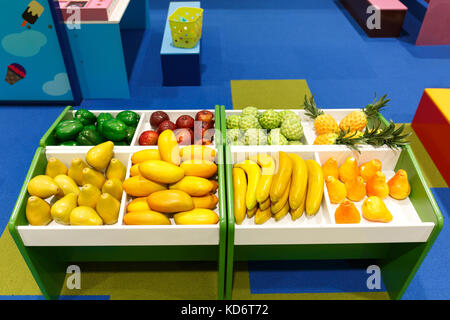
{"points": [[270, 119], [292, 128], [233, 135], [295, 142], [233, 121], [276, 138], [248, 122], [253, 137], [285, 114], [250, 111]]}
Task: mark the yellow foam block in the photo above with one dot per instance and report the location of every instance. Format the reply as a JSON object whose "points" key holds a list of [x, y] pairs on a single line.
{"points": [[441, 98]]}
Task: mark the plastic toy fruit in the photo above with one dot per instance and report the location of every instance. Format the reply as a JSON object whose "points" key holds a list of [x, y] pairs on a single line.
{"points": [[166, 125], [130, 118], [43, 187], [148, 138], [113, 187], [315, 187], [277, 206], [374, 209], [267, 165], [296, 213], [196, 216], [349, 169], [369, 169], [66, 184], [89, 136], [281, 177], [145, 155], [262, 216], [38, 212], [336, 190], [233, 121], [197, 152], [138, 186], [114, 130], [102, 117], [85, 216], [270, 119], [146, 218], [55, 167], [194, 186], [89, 196], [158, 117], [62, 208], [161, 171], [134, 170], [292, 129], [184, 136], [356, 189], [99, 156], [185, 121], [399, 187], [91, 176], [85, 116], [377, 186], [347, 213], [282, 213], [206, 202], [276, 138], [168, 147], [204, 116], [248, 122], [251, 212], [138, 204], [68, 129], [108, 208], [330, 168], [323, 123], [240, 191], [116, 169], [76, 170], [199, 168], [170, 201], [253, 172], [266, 204]]}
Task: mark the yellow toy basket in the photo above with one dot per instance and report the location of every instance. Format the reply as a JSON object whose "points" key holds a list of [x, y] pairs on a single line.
{"points": [[186, 26]]}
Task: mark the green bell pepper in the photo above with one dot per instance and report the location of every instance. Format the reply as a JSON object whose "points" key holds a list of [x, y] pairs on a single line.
{"points": [[102, 117], [130, 118], [68, 129], [121, 143], [114, 130], [69, 143], [89, 137], [130, 134], [86, 117]]}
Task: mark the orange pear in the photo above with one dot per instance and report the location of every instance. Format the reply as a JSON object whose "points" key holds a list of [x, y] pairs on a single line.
{"points": [[369, 169], [330, 168], [374, 209], [377, 186], [336, 189], [399, 187], [347, 213], [349, 169], [356, 189]]}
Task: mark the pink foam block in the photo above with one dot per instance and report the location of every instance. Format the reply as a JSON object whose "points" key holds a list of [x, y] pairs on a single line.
{"points": [[436, 24], [388, 4], [91, 10]]}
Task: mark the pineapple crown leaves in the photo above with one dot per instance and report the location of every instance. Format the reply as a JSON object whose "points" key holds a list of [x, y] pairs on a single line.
{"points": [[389, 135], [311, 108], [372, 109], [350, 138]]}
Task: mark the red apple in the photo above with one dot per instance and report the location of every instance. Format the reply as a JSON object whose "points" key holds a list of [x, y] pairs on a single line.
{"points": [[158, 117], [204, 142], [166, 125], [205, 116], [185, 121], [208, 134], [148, 138], [184, 136]]}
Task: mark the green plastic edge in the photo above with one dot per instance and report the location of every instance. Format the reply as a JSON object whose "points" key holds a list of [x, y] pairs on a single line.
{"points": [[47, 139]]}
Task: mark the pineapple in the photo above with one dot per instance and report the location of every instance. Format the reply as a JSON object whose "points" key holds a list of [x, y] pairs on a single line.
{"points": [[323, 123], [358, 120]]}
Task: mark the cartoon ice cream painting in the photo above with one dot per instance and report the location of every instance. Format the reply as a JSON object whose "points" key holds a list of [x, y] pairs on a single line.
{"points": [[15, 73], [32, 13]]}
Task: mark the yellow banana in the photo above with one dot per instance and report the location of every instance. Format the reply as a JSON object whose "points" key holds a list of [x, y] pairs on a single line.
{"points": [[251, 213], [281, 178], [280, 214], [297, 213], [253, 172], [299, 182], [315, 187], [267, 165], [277, 206], [266, 204], [240, 190], [262, 216]]}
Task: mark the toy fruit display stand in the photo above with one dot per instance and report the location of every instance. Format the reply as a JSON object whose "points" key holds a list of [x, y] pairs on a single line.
{"points": [[48, 250], [398, 246]]}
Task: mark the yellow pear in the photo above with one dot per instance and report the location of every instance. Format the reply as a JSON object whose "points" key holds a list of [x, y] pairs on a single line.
{"points": [[113, 187], [76, 170], [66, 184], [116, 169], [85, 216], [62, 208], [89, 196], [38, 211], [43, 187], [55, 167], [99, 156], [108, 208], [91, 176]]}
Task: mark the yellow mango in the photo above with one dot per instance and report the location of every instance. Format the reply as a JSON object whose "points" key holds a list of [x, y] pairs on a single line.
{"points": [[146, 218], [168, 147], [194, 186], [196, 216], [197, 152], [199, 168], [161, 171], [138, 204], [134, 170], [138, 186], [206, 202], [145, 155], [170, 201], [38, 212]]}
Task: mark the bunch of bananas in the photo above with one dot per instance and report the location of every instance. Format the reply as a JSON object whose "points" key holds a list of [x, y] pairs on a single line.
{"points": [[264, 190]]}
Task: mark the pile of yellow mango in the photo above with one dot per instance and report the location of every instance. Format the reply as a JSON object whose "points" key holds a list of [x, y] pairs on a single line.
{"points": [[170, 182], [266, 187], [96, 203]]}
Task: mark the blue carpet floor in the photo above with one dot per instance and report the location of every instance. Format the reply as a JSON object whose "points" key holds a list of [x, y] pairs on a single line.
{"points": [[313, 40]]}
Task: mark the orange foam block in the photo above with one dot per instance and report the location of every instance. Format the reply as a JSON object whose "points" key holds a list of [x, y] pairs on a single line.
{"points": [[432, 125]]}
